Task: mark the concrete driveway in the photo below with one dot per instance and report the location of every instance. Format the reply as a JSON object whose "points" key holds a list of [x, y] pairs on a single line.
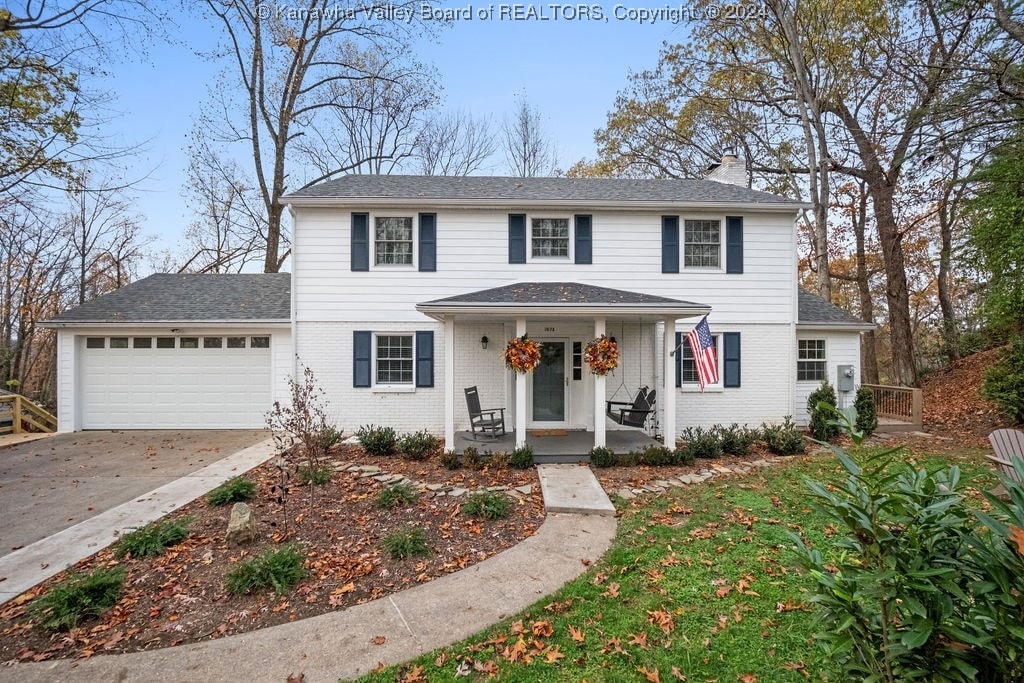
{"points": [[51, 484]]}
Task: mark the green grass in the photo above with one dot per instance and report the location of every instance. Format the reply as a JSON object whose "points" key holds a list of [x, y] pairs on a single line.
{"points": [[154, 538], [713, 561], [77, 598], [279, 569], [234, 490]]}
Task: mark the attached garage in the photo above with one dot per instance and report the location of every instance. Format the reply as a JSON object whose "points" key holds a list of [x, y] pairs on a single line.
{"points": [[176, 352]]}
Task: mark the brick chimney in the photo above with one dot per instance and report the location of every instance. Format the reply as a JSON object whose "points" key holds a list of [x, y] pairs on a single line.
{"points": [[731, 170]]}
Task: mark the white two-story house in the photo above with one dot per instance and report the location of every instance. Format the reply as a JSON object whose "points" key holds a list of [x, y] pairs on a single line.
{"points": [[404, 291]]}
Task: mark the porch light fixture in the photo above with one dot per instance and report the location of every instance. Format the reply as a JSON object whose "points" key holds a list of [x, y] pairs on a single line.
{"points": [[483, 342]]}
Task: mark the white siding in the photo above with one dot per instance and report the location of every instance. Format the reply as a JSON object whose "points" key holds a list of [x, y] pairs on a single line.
{"points": [[841, 348]]}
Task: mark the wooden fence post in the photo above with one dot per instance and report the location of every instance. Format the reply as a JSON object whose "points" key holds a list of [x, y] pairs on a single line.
{"points": [[16, 414]]}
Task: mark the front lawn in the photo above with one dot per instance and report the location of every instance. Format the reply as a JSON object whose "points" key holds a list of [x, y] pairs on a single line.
{"points": [[699, 585]]}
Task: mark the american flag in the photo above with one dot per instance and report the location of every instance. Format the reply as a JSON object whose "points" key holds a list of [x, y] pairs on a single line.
{"points": [[702, 344]]}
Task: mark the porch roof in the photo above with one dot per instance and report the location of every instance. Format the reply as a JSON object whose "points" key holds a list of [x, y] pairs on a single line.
{"points": [[562, 298]]}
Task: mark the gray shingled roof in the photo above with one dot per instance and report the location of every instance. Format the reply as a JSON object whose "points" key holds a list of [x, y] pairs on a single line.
{"points": [[190, 298], [572, 293], [813, 310], [482, 188]]}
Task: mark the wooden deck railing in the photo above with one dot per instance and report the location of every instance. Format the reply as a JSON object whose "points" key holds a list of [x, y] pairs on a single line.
{"points": [[23, 413], [899, 404]]}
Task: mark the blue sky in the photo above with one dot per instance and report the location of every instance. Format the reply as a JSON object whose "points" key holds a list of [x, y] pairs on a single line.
{"points": [[570, 69]]}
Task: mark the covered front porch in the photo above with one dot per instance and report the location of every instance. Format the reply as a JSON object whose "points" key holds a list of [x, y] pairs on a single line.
{"points": [[557, 445], [560, 399]]}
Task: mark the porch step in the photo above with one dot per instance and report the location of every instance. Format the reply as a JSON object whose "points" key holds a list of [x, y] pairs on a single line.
{"points": [[560, 459], [573, 489]]}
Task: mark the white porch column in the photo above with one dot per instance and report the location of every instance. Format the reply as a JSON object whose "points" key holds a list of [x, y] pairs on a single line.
{"points": [[449, 382], [668, 392], [599, 395], [520, 393]]}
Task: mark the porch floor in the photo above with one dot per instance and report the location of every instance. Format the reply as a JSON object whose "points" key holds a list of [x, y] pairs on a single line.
{"points": [[570, 446]]}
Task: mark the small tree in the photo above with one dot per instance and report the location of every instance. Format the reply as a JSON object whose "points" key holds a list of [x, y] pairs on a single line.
{"points": [[867, 417], [1004, 381], [822, 426]]}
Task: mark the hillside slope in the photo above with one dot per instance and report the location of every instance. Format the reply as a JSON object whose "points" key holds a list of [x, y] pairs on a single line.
{"points": [[953, 405]]}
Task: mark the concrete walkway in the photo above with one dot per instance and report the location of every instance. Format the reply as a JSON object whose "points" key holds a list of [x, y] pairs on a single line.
{"points": [[37, 562], [338, 645], [573, 489]]}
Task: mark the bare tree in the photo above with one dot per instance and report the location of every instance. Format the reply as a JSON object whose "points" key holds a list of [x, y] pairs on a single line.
{"points": [[454, 144], [529, 151]]}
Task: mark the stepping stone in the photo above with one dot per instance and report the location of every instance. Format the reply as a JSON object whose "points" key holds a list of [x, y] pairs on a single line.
{"points": [[497, 488], [368, 468], [638, 491], [625, 494], [662, 483], [367, 475], [525, 490], [690, 479], [353, 468], [675, 481], [393, 478], [435, 487], [722, 470], [741, 470], [455, 493], [383, 478], [654, 489]]}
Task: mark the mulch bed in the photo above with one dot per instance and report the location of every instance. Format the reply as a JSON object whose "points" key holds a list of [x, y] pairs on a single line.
{"points": [[181, 597], [953, 405]]}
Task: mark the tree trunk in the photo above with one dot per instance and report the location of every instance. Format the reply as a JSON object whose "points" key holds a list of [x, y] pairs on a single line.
{"points": [[949, 331], [868, 350], [901, 337]]}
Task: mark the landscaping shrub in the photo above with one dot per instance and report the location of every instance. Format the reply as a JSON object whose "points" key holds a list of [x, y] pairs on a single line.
{"points": [[409, 541], [683, 456], [1004, 381], [235, 490], [471, 459], [450, 459], [702, 443], [655, 455], [487, 505], [151, 540], [736, 440], [418, 445], [822, 425], [522, 458], [329, 437], [279, 569], [783, 439], [78, 597], [602, 457], [397, 494], [317, 476], [867, 417], [498, 460], [377, 440]]}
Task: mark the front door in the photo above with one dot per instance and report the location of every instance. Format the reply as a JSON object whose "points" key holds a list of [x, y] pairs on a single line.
{"points": [[549, 390]]}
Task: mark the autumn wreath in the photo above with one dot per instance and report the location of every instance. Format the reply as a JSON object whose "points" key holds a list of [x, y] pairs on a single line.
{"points": [[602, 355], [522, 354]]}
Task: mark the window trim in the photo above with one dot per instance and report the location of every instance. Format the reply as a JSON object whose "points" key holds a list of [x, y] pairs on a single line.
{"points": [[823, 360], [720, 268], [688, 386], [570, 256], [372, 229], [403, 387]]}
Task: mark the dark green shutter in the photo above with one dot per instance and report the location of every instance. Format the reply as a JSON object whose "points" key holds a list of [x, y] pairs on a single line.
{"points": [[362, 356], [517, 238], [670, 244], [731, 358], [584, 251], [428, 242], [734, 244], [360, 241], [424, 359], [679, 359]]}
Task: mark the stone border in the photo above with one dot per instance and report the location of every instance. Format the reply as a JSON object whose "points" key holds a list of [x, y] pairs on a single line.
{"points": [[430, 490], [703, 475]]}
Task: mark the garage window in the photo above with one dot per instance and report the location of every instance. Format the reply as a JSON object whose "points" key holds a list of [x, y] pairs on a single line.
{"points": [[119, 342], [142, 342], [259, 343], [95, 342], [165, 342], [236, 342], [213, 342], [189, 343]]}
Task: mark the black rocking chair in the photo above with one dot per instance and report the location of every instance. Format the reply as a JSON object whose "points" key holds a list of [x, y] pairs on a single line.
{"points": [[635, 413], [487, 421]]}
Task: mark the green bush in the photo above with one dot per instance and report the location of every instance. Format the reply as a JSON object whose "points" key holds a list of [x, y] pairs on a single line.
{"points": [[521, 458], [279, 569], [418, 445], [471, 459], [602, 457], [683, 456], [498, 460], [409, 541], [702, 443], [450, 459], [487, 505], [822, 425], [151, 540], [397, 494], [377, 440], [783, 439], [1004, 381], [867, 417], [329, 437], [235, 490], [737, 440], [654, 455], [78, 597], [318, 476]]}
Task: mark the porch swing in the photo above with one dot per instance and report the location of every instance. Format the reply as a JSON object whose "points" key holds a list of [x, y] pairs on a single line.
{"points": [[632, 413]]}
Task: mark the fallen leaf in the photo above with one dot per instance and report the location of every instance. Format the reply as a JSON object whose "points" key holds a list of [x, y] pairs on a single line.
{"points": [[653, 676], [663, 620], [748, 678], [639, 639], [553, 654], [295, 678], [414, 675], [542, 628], [613, 590], [678, 674], [378, 640], [1017, 536], [577, 634]]}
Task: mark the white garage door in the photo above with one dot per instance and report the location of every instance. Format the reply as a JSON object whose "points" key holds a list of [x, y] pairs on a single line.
{"points": [[175, 382]]}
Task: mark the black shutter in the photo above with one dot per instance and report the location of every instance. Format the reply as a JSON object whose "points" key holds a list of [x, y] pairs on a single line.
{"points": [[679, 359], [670, 244], [424, 359], [517, 238], [734, 244], [362, 358], [360, 241], [731, 355], [584, 251], [428, 242]]}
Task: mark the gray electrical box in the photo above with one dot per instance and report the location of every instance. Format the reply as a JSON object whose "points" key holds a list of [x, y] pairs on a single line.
{"points": [[845, 380]]}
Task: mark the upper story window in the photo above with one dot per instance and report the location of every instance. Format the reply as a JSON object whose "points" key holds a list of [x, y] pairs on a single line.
{"points": [[810, 360], [550, 237], [394, 359], [392, 240], [702, 244]]}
